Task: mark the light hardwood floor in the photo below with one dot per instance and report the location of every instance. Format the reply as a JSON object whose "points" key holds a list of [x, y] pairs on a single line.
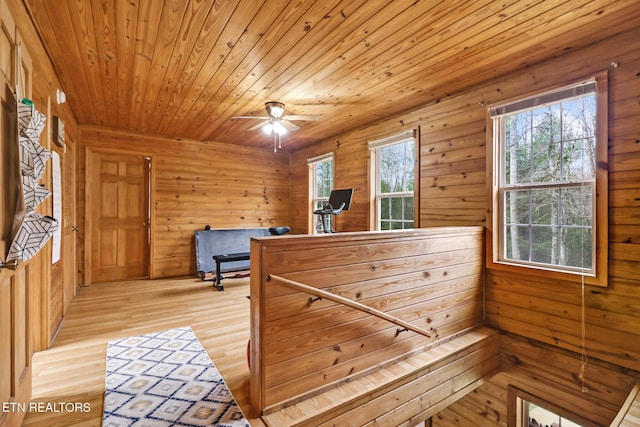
{"points": [[73, 369]]}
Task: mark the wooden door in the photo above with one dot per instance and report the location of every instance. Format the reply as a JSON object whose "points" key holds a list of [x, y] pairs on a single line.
{"points": [[63, 272], [15, 343], [117, 204], [69, 228], [15, 286]]}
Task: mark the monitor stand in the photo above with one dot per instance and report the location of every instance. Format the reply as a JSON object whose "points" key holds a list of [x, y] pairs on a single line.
{"points": [[325, 213]]}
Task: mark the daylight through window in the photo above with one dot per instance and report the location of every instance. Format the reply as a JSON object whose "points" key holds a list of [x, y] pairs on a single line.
{"points": [[546, 150], [321, 177], [527, 410], [537, 416], [394, 160]]}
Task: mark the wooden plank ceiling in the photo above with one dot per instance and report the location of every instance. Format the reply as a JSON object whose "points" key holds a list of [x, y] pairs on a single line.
{"points": [[183, 68]]}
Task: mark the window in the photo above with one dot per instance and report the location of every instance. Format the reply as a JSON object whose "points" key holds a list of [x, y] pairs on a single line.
{"points": [[527, 410], [394, 169], [537, 416], [546, 150], [320, 185]]}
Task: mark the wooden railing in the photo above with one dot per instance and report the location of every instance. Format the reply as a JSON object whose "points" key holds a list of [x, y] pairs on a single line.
{"points": [[430, 280], [319, 293]]}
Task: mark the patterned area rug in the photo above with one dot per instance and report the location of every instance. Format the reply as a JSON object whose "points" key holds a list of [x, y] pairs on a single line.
{"points": [[166, 379]]}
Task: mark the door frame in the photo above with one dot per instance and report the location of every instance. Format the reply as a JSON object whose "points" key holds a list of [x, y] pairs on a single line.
{"points": [[88, 198]]}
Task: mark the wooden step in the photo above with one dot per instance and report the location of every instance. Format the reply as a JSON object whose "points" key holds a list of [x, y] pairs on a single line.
{"points": [[403, 393]]}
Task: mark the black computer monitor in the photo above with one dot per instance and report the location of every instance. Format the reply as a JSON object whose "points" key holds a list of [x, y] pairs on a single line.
{"points": [[338, 197]]}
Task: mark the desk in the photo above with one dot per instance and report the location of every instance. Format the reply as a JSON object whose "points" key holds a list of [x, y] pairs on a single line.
{"points": [[219, 259]]}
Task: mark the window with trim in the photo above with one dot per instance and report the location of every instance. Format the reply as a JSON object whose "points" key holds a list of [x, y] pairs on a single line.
{"points": [[394, 179], [526, 410], [320, 185], [548, 185]]}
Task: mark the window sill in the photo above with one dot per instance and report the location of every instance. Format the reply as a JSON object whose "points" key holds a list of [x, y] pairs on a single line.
{"points": [[539, 271]]}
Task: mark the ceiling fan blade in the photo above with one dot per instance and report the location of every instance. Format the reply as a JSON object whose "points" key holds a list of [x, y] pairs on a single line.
{"points": [[258, 126], [294, 117], [288, 125], [251, 117]]}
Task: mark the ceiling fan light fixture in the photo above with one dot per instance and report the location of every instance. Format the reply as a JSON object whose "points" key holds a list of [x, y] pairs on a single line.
{"points": [[276, 124], [268, 128], [279, 128], [274, 109]]}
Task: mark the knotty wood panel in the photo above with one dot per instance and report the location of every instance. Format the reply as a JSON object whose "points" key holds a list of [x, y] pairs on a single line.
{"points": [[351, 169], [551, 312], [184, 69], [550, 375], [430, 277], [194, 184], [56, 305], [26, 299], [402, 394], [612, 340], [452, 193], [6, 346], [16, 348]]}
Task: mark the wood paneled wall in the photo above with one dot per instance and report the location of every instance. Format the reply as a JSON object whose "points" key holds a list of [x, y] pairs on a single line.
{"points": [[549, 374], [197, 183], [31, 308], [550, 312], [431, 278], [194, 184], [41, 88], [453, 192], [451, 163], [351, 168]]}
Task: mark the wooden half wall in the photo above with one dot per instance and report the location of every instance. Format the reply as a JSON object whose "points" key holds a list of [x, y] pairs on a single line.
{"points": [[301, 346], [452, 164]]}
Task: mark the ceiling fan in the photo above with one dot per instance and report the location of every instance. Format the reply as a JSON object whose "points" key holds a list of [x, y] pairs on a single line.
{"points": [[276, 123]]}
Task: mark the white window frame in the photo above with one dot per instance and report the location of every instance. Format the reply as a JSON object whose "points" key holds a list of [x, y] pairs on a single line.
{"points": [[374, 150], [496, 258], [518, 409], [315, 201]]}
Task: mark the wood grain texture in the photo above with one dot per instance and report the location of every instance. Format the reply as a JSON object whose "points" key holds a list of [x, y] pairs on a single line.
{"points": [[73, 369], [629, 414], [16, 348], [31, 309], [404, 393], [194, 184], [118, 217], [430, 278], [184, 68], [461, 70], [451, 192], [549, 311], [551, 376]]}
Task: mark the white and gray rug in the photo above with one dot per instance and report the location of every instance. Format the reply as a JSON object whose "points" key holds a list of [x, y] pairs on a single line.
{"points": [[166, 379]]}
